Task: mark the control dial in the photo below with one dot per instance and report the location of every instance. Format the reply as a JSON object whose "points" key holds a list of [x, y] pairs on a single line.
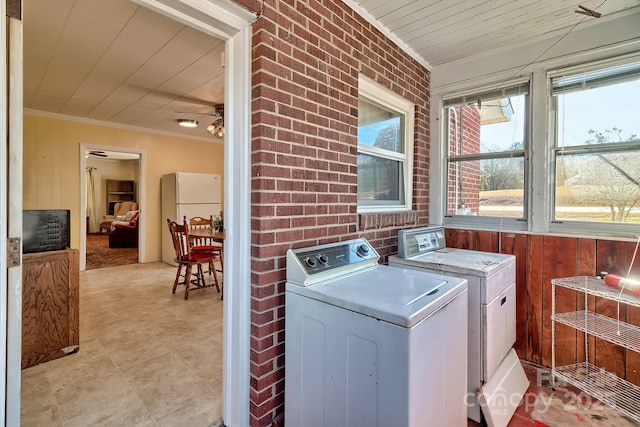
{"points": [[323, 259], [362, 250], [311, 262]]}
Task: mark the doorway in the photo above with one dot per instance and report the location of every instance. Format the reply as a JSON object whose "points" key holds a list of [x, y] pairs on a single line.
{"points": [[237, 161], [112, 180]]}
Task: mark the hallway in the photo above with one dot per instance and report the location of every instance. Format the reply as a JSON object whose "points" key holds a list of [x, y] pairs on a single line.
{"points": [[147, 357]]}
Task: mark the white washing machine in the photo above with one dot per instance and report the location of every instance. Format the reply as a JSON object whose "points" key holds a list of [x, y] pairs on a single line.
{"points": [[371, 345], [496, 380]]}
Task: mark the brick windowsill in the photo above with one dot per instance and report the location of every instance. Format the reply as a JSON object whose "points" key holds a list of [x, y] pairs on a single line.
{"points": [[375, 221]]}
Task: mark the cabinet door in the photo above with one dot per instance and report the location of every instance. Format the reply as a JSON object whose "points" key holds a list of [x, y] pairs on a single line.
{"points": [[50, 320], [499, 329]]}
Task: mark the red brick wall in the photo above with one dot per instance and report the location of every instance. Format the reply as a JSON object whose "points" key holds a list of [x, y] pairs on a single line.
{"points": [[307, 56], [464, 138]]}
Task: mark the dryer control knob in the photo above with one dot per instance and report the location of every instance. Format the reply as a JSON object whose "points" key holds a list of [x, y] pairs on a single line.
{"points": [[323, 259], [363, 250], [311, 262]]}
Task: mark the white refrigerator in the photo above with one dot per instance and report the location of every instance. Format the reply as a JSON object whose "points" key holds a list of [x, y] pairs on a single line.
{"points": [[187, 194]]}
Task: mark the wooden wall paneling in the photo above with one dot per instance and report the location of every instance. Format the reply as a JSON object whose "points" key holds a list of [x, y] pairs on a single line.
{"points": [[516, 244], [534, 298], [632, 358], [586, 266], [487, 241], [451, 237], [560, 260], [465, 239], [611, 256]]}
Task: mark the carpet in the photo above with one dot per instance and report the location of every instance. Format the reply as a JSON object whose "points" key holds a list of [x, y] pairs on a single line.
{"points": [[100, 255]]}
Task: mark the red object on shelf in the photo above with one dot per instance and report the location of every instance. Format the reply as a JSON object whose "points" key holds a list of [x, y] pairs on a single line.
{"points": [[624, 283]]}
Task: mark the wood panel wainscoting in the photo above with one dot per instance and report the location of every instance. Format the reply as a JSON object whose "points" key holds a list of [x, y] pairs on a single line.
{"points": [[50, 303], [538, 260]]}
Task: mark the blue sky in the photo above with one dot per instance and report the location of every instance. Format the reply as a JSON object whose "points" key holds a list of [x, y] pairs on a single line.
{"points": [[599, 109]]}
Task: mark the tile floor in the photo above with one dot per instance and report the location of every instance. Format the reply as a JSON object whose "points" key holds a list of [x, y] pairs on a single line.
{"points": [[565, 406], [147, 357]]}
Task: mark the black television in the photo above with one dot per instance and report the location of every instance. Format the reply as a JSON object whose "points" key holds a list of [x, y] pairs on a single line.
{"points": [[45, 230]]}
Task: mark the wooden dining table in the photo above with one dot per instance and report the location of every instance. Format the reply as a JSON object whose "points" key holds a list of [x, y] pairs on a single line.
{"points": [[207, 233]]}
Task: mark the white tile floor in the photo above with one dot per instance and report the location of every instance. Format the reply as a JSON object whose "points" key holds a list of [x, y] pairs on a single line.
{"points": [[147, 357]]}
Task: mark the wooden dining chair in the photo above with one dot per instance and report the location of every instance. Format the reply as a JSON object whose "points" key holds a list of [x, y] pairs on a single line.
{"points": [[204, 244], [187, 258]]}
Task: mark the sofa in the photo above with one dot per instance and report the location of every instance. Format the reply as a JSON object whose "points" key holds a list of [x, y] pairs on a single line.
{"points": [[119, 211], [124, 231]]}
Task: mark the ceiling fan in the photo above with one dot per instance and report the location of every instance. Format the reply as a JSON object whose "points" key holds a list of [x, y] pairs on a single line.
{"points": [[216, 128]]}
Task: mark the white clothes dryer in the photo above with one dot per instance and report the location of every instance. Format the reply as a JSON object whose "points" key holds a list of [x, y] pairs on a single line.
{"points": [[496, 380], [372, 345]]}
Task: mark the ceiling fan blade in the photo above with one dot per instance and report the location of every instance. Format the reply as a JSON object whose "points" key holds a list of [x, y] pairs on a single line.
{"points": [[170, 95], [198, 113]]}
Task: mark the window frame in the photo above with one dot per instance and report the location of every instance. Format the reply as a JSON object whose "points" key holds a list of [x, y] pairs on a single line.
{"points": [[571, 226], [476, 221], [372, 91]]}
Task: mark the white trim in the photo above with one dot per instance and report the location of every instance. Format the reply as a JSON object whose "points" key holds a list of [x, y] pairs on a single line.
{"points": [[219, 18], [489, 87], [387, 32], [14, 311], [4, 161], [117, 125], [383, 96], [237, 247], [593, 65], [142, 198]]}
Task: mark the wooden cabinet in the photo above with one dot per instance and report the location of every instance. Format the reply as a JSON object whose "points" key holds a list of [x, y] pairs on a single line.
{"points": [[50, 296], [119, 191]]}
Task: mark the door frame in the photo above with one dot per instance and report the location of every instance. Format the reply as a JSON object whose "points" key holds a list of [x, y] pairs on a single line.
{"points": [[226, 20], [11, 216], [230, 22], [141, 199]]}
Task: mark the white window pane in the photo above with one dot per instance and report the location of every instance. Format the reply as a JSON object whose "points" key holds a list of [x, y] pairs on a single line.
{"points": [[379, 180], [482, 181], [601, 187], [610, 111], [503, 131], [489, 187], [379, 126]]}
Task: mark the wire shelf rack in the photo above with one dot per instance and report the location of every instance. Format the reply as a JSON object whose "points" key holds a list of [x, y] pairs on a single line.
{"points": [[596, 286], [604, 327], [604, 386]]}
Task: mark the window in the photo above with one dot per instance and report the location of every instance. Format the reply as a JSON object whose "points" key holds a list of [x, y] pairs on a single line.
{"points": [[385, 149], [597, 145], [486, 133]]}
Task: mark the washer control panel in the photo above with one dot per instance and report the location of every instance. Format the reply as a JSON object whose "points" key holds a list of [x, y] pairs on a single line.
{"points": [[420, 240], [309, 265]]}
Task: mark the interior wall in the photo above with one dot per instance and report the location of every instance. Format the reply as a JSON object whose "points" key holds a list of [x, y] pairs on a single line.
{"points": [[52, 167], [306, 62], [540, 258], [109, 169]]}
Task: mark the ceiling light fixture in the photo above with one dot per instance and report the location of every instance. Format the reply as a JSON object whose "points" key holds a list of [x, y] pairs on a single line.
{"points": [[188, 123], [217, 127]]}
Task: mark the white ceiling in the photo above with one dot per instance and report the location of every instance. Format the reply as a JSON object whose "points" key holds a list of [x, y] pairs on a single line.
{"points": [[441, 31], [115, 61]]}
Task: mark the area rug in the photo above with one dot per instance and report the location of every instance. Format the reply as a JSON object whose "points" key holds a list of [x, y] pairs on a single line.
{"points": [[100, 255]]}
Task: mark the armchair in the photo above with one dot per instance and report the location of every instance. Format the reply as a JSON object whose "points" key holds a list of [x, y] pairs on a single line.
{"points": [[119, 210], [124, 233]]}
